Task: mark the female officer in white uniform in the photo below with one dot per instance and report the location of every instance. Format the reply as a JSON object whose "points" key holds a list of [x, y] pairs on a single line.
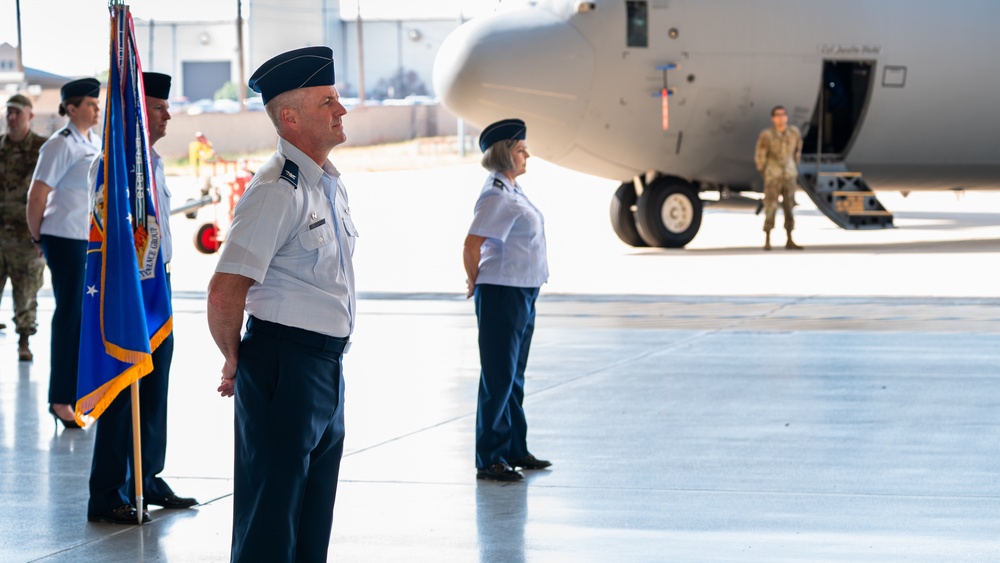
{"points": [[505, 262], [58, 204]]}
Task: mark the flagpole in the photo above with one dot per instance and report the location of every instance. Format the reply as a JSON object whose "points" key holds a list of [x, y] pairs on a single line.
{"points": [[136, 427], [137, 453], [137, 475], [124, 273]]}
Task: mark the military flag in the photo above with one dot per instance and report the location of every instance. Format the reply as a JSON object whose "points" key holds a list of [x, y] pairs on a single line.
{"points": [[126, 308]]}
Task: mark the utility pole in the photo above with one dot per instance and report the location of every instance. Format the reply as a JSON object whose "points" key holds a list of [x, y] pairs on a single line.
{"points": [[152, 42], [241, 87], [326, 26], [20, 63], [361, 61], [461, 122]]}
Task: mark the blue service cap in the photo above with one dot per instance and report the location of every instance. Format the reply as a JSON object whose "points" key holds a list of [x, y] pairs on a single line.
{"points": [[156, 85], [505, 129], [299, 68], [83, 87]]}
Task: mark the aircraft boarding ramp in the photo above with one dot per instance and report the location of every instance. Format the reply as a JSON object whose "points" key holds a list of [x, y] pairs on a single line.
{"points": [[845, 198]]}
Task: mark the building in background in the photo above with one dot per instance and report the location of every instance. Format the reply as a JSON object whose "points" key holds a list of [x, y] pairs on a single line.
{"points": [[398, 56], [42, 87], [398, 53], [13, 80], [275, 26], [202, 56], [204, 60]]}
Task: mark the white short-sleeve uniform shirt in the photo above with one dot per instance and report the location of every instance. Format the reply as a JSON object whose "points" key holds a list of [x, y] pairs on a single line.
{"points": [[64, 165], [293, 235], [162, 206], [513, 253]]}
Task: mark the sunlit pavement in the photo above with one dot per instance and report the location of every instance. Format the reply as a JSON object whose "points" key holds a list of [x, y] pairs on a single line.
{"points": [[708, 404]]}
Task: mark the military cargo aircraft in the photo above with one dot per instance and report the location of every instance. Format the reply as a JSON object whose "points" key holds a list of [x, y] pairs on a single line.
{"points": [[668, 97]]}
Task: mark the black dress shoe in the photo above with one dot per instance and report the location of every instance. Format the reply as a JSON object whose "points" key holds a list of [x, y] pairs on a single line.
{"points": [[499, 472], [171, 501], [124, 514], [531, 462]]}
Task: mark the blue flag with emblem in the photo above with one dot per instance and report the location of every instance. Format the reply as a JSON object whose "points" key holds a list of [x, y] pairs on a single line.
{"points": [[126, 306]]}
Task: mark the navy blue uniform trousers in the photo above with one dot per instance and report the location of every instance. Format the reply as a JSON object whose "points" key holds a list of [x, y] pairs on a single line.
{"points": [[111, 471], [289, 442], [506, 318], [67, 262]]}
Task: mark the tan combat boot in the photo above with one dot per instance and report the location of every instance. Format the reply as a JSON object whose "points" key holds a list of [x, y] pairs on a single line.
{"points": [[767, 240], [790, 245], [23, 352]]}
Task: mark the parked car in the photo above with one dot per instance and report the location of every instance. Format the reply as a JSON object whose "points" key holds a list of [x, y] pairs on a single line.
{"points": [[226, 106], [421, 100], [349, 102], [410, 101], [201, 106], [254, 104], [179, 104]]}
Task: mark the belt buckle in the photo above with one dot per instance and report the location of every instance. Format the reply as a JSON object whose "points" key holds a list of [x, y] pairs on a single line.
{"points": [[347, 347]]}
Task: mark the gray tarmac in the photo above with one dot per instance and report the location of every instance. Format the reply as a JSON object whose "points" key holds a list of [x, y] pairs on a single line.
{"points": [[716, 403]]}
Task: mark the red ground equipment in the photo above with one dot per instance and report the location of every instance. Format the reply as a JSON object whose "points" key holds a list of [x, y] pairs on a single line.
{"points": [[226, 186]]}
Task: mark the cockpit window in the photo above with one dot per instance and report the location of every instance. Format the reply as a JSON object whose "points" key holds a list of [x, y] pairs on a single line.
{"points": [[638, 23]]}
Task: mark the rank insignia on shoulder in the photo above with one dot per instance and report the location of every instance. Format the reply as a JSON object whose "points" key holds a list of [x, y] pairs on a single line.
{"points": [[65, 132], [290, 173], [498, 183]]}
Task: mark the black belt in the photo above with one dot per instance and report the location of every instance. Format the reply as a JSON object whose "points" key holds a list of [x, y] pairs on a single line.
{"points": [[302, 336]]}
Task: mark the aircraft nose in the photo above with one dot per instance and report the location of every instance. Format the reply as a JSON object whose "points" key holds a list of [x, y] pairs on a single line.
{"points": [[524, 63]]}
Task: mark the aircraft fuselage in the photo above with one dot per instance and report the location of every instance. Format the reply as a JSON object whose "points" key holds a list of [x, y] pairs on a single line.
{"points": [[926, 116]]}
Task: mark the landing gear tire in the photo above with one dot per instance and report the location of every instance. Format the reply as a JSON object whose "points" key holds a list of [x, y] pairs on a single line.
{"points": [[668, 214], [623, 215], [206, 239]]}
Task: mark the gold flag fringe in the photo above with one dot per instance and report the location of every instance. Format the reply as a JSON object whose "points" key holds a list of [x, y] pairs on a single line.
{"points": [[95, 403]]}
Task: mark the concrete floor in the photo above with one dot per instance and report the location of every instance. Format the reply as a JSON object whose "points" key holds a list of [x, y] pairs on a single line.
{"points": [[709, 404], [778, 429]]}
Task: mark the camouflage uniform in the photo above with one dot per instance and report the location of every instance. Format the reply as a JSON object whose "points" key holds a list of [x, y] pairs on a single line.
{"points": [[777, 158], [18, 258]]}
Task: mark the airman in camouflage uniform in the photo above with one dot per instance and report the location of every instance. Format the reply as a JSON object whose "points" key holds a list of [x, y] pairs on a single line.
{"points": [[779, 150], [19, 259]]}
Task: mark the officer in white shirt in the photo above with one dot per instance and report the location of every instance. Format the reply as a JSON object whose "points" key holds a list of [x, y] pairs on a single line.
{"points": [[506, 264], [287, 261], [112, 489], [58, 218]]}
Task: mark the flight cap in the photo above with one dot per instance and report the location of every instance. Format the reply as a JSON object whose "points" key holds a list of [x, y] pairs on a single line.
{"points": [[19, 101], [299, 68], [506, 129], [157, 85], [83, 87]]}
